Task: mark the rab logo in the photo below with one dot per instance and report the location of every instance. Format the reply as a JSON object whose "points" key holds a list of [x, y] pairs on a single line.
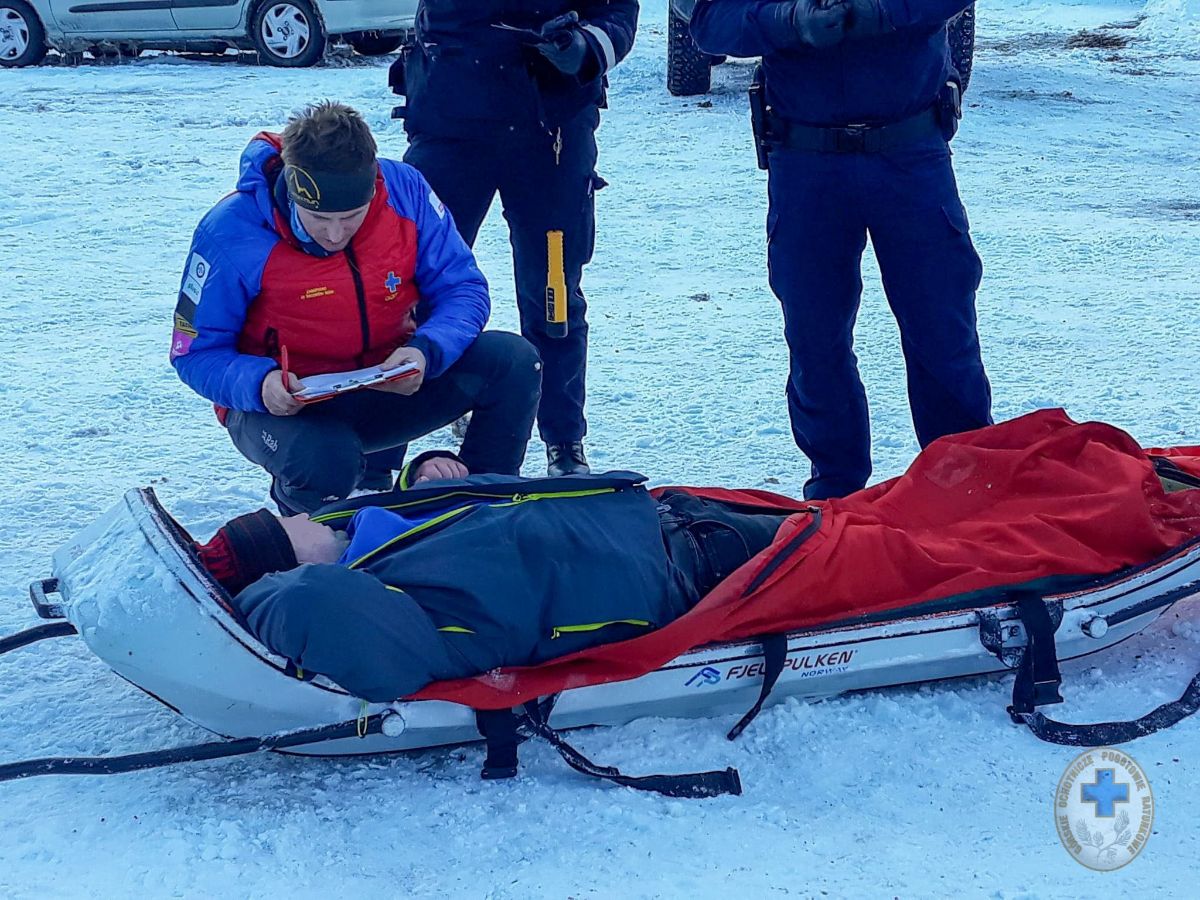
{"points": [[707, 675], [302, 187], [269, 440]]}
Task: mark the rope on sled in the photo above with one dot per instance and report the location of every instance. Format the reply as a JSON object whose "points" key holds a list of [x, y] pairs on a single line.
{"points": [[132, 762], [35, 634]]}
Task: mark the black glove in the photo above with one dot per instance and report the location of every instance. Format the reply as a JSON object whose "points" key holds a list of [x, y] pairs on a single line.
{"points": [[819, 23], [865, 19], [563, 44]]}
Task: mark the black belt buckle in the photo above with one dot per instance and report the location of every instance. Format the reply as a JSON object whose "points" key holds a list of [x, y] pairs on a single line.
{"points": [[855, 139]]}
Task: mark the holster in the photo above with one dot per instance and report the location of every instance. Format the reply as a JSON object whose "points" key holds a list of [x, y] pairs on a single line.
{"points": [[948, 107], [760, 118]]}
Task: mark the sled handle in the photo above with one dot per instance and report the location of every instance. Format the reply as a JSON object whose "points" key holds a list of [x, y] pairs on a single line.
{"points": [[44, 607]]}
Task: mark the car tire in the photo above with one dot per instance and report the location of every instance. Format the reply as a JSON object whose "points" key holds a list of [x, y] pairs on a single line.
{"points": [[374, 43], [22, 37], [287, 33], [689, 69], [962, 44]]}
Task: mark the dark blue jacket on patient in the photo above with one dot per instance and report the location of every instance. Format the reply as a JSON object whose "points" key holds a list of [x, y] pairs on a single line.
{"points": [[456, 578]]}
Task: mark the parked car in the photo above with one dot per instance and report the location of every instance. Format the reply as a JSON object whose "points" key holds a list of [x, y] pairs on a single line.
{"points": [[284, 32], [689, 69]]}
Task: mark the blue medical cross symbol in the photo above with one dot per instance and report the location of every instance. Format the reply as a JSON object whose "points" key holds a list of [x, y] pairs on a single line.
{"points": [[1105, 792], [392, 282]]}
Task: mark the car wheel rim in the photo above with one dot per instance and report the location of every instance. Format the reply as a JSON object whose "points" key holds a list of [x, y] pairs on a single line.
{"points": [[14, 34], [285, 30]]}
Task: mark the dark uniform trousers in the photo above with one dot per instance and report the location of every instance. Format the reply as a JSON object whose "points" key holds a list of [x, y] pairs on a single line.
{"points": [[541, 190], [822, 208]]}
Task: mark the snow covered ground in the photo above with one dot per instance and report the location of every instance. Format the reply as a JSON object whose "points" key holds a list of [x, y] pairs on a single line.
{"points": [[1079, 169]]}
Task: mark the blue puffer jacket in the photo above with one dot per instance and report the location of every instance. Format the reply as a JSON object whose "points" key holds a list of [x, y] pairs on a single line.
{"points": [[872, 81], [456, 578], [468, 78]]}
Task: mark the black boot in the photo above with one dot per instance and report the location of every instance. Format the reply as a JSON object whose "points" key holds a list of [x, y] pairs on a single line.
{"points": [[566, 459]]}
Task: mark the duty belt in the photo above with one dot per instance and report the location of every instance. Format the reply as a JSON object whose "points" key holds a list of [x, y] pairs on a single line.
{"points": [[857, 138]]}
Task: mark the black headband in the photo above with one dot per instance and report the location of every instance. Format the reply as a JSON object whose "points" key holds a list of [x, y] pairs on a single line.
{"points": [[330, 191]]}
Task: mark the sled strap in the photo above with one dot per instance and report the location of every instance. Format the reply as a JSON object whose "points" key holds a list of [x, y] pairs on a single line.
{"points": [[774, 648], [132, 762], [693, 786], [35, 634], [499, 730], [1038, 677], [1037, 683]]}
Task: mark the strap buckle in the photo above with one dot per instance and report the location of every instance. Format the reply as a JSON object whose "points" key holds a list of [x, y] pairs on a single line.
{"points": [[855, 139]]}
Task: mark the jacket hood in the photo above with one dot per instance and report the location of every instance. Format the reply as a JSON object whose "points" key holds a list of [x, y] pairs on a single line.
{"points": [[261, 161]]}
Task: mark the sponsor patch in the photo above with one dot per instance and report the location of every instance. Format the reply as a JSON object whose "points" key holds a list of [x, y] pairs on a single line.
{"points": [[315, 293], [198, 269], [181, 342], [438, 206]]}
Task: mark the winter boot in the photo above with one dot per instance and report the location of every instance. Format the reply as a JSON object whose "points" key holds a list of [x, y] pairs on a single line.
{"points": [[566, 459]]}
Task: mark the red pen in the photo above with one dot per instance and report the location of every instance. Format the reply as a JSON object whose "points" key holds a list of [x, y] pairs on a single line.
{"points": [[283, 364]]}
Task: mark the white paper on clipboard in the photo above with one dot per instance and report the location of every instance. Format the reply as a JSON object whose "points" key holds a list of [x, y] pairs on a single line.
{"points": [[322, 387]]}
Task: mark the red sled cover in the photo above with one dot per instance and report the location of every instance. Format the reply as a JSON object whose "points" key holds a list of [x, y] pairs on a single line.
{"points": [[1036, 497]]}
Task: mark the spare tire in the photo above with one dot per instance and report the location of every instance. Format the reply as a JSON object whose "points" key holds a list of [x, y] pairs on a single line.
{"points": [[689, 69], [962, 44]]}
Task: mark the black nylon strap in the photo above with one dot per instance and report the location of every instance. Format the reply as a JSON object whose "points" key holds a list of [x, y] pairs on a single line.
{"points": [[1104, 734], [35, 634], [774, 648], [692, 786], [1038, 677], [132, 762], [1037, 683], [499, 730]]}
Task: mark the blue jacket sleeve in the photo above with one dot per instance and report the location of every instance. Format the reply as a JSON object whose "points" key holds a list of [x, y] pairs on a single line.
{"points": [[743, 27], [347, 625], [213, 299], [610, 27], [454, 304]]}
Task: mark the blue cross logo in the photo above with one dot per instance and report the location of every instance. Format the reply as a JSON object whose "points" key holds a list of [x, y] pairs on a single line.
{"points": [[1105, 792], [392, 282]]}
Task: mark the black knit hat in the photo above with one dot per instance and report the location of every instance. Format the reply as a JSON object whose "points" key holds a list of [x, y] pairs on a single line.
{"points": [[258, 545]]}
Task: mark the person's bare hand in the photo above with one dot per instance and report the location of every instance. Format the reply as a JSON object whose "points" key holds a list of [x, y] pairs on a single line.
{"points": [[410, 384], [313, 542], [439, 468], [278, 399]]}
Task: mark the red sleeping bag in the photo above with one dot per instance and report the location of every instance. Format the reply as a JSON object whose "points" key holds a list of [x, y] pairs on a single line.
{"points": [[1032, 498]]}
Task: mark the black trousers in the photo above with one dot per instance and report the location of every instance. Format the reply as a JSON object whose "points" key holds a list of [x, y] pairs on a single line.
{"points": [[707, 540], [542, 189], [323, 452]]}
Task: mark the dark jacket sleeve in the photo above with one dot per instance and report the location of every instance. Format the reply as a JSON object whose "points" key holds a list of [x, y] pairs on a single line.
{"points": [[374, 641], [609, 26], [902, 14], [743, 27]]}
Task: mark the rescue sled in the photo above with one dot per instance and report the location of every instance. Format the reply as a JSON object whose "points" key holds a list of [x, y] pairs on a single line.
{"points": [[169, 631]]}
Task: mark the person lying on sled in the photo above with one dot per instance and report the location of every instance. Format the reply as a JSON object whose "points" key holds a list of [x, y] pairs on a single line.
{"points": [[387, 593]]}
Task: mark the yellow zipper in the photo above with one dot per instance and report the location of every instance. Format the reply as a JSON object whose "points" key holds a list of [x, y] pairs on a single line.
{"points": [[436, 520], [513, 498], [595, 626]]}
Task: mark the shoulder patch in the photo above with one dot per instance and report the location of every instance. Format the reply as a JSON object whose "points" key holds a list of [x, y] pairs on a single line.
{"points": [[197, 274], [438, 206]]}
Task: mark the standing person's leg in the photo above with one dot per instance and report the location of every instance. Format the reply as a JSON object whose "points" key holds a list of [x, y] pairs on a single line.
{"points": [[931, 272], [312, 458], [815, 240], [547, 190], [462, 173]]}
